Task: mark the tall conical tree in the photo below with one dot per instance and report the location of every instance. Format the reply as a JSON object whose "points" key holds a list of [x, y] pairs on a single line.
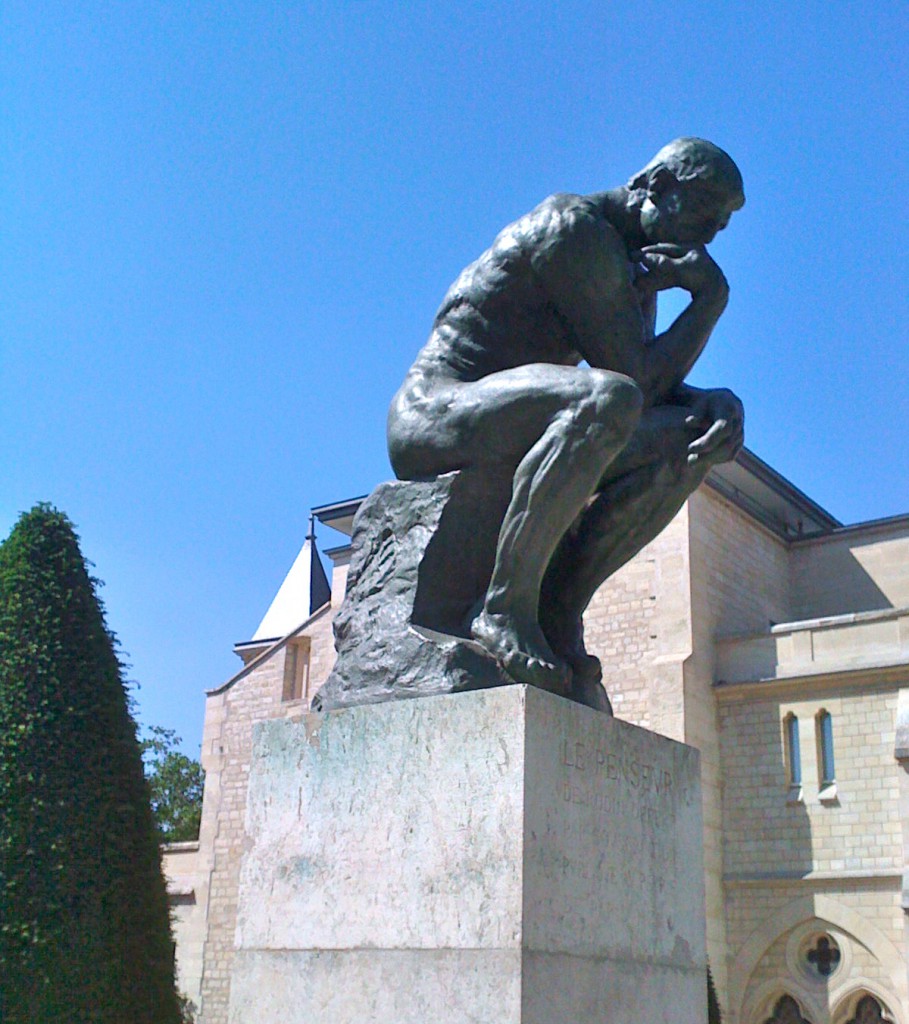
{"points": [[714, 1016], [84, 930]]}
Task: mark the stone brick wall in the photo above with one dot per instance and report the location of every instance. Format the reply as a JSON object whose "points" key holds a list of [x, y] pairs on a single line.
{"points": [[739, 583], [254, 695], [322, 655], [617, 629], [857, 570], [846, 849], [638, 624], [858, 830], [742, 569], [863, 916]]}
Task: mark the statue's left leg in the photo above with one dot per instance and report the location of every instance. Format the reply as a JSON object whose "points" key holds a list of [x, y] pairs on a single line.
{"points": [[644, 489]]}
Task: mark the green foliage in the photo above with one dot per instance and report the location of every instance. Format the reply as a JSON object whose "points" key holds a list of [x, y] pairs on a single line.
{"points": [[84, 931], [176, 782], [713, 1004]]}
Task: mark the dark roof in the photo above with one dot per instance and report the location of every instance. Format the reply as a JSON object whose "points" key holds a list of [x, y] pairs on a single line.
{"points": [[770, 498], [339, 515]]}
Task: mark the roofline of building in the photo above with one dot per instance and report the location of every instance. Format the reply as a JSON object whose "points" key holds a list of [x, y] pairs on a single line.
{"points": [[327, 514], [749, 506], [818, 622], [273, 646], [265, 641], [785, 488], [887, 675], [870, 525], [331, 552]]}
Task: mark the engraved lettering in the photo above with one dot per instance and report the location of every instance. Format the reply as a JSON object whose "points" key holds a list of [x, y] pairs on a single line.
{"points": [[615, 766], [573, 755], [635, 771]]}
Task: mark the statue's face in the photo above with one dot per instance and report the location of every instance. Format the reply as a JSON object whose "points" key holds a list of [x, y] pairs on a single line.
{"points": [[687, 213]]}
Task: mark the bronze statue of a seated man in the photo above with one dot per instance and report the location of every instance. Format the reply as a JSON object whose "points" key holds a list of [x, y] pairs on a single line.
{"points": [[602, 455]]}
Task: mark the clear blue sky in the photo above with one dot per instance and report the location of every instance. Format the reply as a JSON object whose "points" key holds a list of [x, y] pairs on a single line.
{"points": [[226, 228]]}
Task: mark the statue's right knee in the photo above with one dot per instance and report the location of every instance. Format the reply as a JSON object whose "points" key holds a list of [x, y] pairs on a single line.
{"points": [[619, 402]]}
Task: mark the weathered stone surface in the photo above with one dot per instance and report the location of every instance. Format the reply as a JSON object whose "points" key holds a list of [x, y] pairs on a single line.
{"points": [[421, 561], [504, 855]]}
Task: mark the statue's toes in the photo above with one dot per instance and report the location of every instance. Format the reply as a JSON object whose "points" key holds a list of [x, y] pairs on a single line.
{"points": [[524, 668]]}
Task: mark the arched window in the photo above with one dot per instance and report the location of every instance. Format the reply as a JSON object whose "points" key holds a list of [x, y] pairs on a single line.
{"points": [[793, 754], [787, 1011], [869, 1011], [825, 748]]}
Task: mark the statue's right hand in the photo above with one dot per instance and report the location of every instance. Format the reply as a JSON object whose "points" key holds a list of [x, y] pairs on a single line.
{"points": [[674, 266]]}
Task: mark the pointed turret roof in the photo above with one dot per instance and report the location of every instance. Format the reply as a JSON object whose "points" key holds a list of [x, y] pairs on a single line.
{"points": [[304, 590]]}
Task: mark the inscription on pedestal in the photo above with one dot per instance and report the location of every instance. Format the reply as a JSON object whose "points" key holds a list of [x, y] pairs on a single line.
{"points": [[615, 766]]}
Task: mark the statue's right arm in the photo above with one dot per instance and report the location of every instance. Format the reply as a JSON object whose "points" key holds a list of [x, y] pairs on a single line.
{"points": [[584, 268], [584, 265], [670, 356]]}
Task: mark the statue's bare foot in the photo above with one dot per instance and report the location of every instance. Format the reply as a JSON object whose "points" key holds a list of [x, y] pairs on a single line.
{"points": [[522, 651], [567, 638]]}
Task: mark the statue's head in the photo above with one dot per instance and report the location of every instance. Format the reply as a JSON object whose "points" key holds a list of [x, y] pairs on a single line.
{"points": [[687, 193]]}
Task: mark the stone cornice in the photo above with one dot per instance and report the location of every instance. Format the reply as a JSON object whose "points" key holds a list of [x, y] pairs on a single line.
{"points": [[862, 677]]}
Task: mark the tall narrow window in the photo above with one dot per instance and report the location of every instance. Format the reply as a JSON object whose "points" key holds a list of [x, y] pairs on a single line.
{"points": [[793, 753], [296, 669], [825, 748]]}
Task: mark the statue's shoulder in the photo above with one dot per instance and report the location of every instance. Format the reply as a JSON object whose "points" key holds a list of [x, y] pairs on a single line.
{"points": [[569, 219], [569, 233]]}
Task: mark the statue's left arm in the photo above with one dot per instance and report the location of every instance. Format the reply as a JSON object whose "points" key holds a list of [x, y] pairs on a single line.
{"points": [[716, 415]]}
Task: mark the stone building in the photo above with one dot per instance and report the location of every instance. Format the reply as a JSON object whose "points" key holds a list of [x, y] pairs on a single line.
{"points": [[755, 627]]}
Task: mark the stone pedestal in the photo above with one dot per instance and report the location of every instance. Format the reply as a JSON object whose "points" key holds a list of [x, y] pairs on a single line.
{"points": [[499, 856]]}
